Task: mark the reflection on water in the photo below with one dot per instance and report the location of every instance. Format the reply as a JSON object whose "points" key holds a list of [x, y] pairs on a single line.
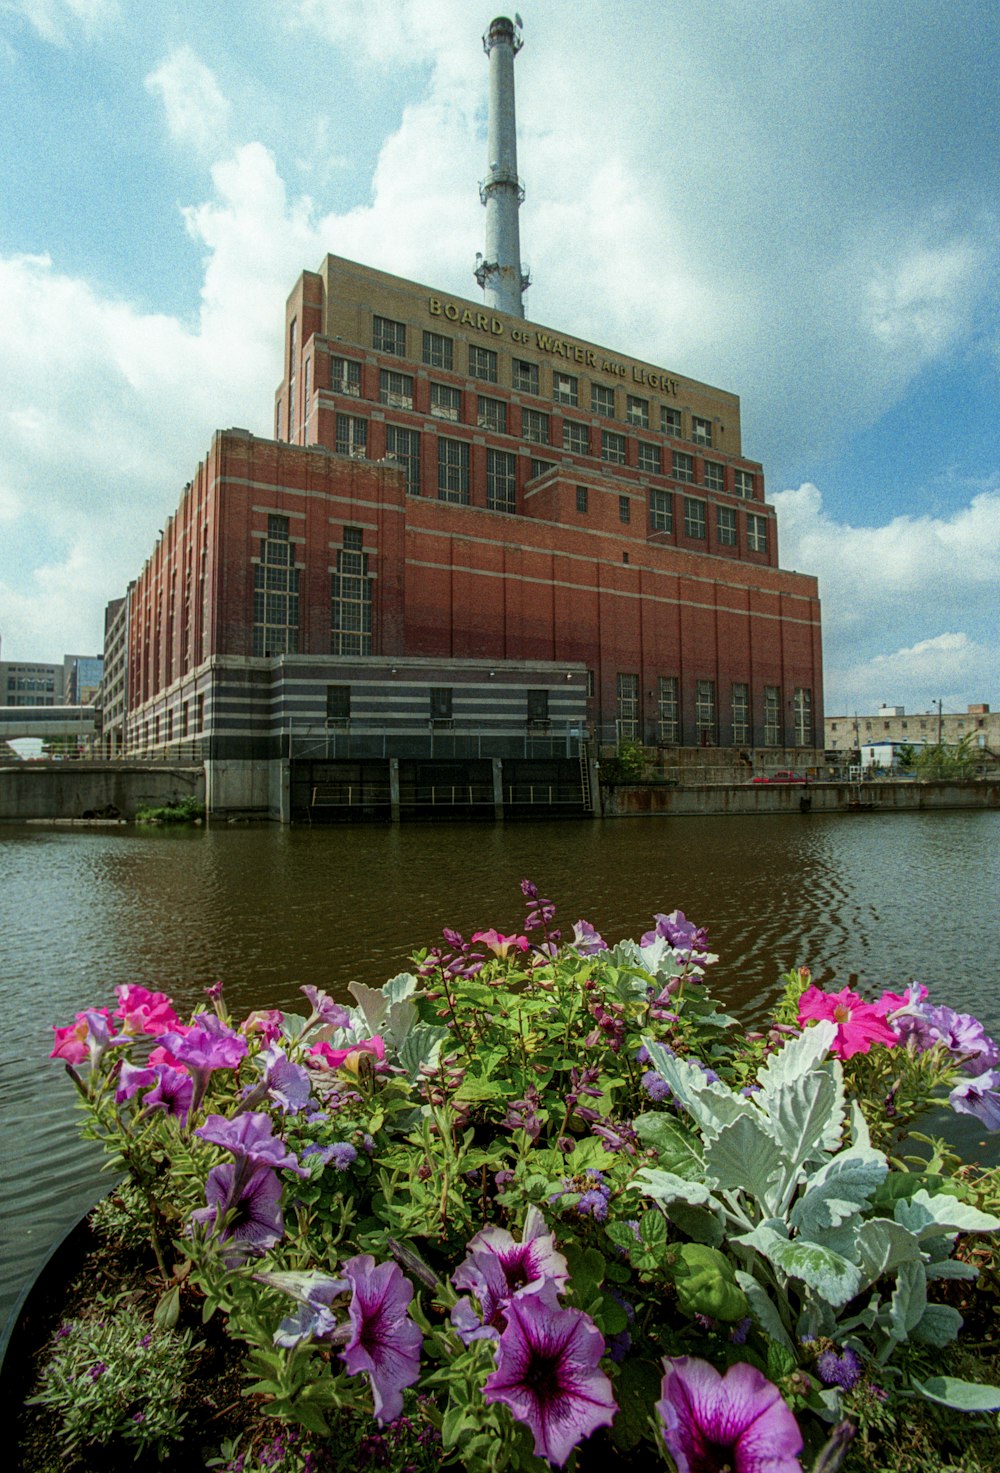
{"points": [[880, 898]]}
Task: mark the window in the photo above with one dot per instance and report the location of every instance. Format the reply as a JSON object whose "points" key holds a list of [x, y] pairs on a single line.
{"points": [[715, 475], [199, 708], [565, 389], [582, 499], [613, 447], [345, 377], [492, 415], [446, 402], [743, 483], [649, 458], [277, 419], [704, 712], [403, 446], [668, 709], [683, 466], [276, 593], [756, 533], [539, 467], [441, 703], [389, 336], [535, 426], [628, 707], [725, 526], [772, 716], [602, 399], [538, 707], [624, 509], [437, 351], [338, 705], [701, 430], [802, 713], [501, 481], [637, 412], [576, 437], [694, 517], [524, 376], [661, 511], [453, 471], [352, 435], [670, 421], [395, 389], [351, 599], [482, 364], [741, 714]]}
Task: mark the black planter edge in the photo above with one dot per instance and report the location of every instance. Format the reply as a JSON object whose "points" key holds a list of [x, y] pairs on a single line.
{"points": [[70, 1243]]}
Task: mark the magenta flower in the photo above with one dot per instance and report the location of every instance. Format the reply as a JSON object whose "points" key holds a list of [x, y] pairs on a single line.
{"points": [[142, 1011], [548, 1373], [859, 1023], [497, 1267], [385, 1342], [88, 1037], [265, 1021], [208, 1044], [500, 945], [737, 1423]]}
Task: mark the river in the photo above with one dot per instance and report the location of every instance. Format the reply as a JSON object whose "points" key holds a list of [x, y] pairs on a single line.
{"points": [[876, 898]]}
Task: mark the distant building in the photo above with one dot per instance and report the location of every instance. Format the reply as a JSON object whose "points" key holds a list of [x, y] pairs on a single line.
{"points": [[924, 728], [27, 683]]}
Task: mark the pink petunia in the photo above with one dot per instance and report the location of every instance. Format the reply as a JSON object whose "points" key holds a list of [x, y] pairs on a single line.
{"points": [[859, 1023], [334, 1058], [501, 946], [142, 1011]]}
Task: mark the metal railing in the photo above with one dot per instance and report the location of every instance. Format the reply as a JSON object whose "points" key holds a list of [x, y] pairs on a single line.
{"points": [[341, 739]]}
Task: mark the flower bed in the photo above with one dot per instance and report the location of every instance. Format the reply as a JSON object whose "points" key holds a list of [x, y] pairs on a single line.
{"points": [[541, 1202]]}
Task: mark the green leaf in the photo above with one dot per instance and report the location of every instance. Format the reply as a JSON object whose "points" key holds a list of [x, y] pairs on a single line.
{"points": [[744, 1157], [964, 1396], [928, 1216], [706, 1283], [699, 1224], [710, 1105], [663, 1186], [679, 1151], [764, 1310], [839, 1190], [833, 1277], [938, 1325], [653, 1228], [636, 1388], [909, 1299], [882, 1245], [168, 1308], [403, 1014], [421, 1047]]}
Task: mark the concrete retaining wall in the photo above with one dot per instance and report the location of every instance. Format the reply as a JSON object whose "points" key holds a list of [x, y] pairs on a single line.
{"points": [[633, 800], [31, 790]]}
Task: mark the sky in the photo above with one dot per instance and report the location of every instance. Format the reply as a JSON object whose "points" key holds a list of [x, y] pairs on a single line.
{"points": [[795, 200]]}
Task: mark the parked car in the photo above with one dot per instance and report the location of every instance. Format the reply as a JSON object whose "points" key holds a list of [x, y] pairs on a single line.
{"points": [[783, 776]]}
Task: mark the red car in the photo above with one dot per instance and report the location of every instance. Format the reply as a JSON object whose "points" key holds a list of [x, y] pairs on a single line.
{"points": [[784, 776]]}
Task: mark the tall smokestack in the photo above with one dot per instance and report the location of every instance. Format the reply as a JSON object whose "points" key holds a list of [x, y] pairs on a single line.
{"points": [[499, 271]]}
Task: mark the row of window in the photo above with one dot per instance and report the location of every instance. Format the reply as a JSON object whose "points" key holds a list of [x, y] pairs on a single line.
{"points": [[438, 351], [188, 722], [276, 595], [440, 705], [668, 712], [396, 390]]}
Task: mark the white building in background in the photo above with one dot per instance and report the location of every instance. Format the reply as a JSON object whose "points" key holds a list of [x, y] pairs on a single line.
{"points": [[893, 725]]}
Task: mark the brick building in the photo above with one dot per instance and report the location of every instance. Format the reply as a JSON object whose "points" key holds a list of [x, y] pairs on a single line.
{"points": [[470, 535]]}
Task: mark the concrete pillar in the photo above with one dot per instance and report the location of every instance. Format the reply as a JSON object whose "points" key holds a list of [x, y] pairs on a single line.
{"points": [[394, 789], [498, 789]]}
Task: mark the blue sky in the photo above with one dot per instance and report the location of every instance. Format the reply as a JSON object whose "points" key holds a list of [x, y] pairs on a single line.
{"points": [[796, 201]]}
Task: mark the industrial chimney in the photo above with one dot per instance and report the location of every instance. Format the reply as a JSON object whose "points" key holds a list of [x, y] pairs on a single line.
{"points": [[499, 271]]}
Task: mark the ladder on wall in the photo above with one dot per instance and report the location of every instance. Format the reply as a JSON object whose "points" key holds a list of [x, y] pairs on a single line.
{"points": [[586, 794]]}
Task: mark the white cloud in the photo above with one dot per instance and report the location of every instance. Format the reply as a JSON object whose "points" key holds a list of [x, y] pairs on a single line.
{"points": [[878, 585], [197, 113], [55, 20]]}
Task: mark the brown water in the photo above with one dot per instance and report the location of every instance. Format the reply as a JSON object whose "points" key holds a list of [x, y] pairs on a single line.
{"points": [[883, 898]]}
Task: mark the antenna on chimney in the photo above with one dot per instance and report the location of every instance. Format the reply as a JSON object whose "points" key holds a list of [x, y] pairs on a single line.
{"points": [[499, 271]]}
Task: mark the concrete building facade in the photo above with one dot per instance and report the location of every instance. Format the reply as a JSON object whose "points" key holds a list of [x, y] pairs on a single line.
{"points": [[918, 728]]}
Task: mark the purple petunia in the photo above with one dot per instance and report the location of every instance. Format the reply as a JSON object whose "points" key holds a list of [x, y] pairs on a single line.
{"points": [[313, 1320], [385, 1342], [325, 1012], [738, 1422], [244, 1203], [497, 1268], [209, 1044], [586, 941], [287, 1084], [249, 1137], [548, 1373], [979, 1097]]}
